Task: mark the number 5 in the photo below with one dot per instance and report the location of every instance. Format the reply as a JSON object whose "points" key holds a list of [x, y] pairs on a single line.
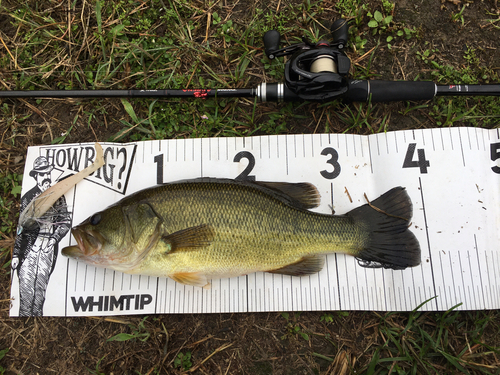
{"points": [[495, 155]]}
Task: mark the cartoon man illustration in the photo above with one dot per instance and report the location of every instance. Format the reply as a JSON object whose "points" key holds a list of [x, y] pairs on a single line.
{"points": [[36, 249]]}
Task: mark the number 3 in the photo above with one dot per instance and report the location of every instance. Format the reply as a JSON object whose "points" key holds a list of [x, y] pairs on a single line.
{"points": [[333, 161]]}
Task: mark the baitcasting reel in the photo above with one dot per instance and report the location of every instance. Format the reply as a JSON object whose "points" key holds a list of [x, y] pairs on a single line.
{"points": [[315, 71]]}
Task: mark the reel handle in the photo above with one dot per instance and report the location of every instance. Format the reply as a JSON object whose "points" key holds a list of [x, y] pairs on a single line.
{"points": [[340, 33], [271, 43]]}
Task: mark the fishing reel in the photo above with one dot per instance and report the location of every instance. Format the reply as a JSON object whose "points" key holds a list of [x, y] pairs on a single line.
{"points": [[315, 71]]}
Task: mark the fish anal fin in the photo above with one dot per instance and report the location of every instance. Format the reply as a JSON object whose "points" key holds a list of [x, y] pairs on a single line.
{"points": [[190, 238], [303, 194], [191, 278], [305, 266]]}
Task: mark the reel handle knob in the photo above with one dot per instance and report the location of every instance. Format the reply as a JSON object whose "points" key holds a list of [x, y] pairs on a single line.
{"points": [[340, 33], [271, 43]]}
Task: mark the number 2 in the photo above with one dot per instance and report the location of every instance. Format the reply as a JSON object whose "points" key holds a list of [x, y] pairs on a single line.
{"points": [[245, 175]]}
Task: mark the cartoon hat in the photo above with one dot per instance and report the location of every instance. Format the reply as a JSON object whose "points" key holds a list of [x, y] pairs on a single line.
{"points": [[41, 165]]}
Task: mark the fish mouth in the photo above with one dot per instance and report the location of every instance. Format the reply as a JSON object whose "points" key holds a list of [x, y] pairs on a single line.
{"points": [[88, 244], [72, 252]]}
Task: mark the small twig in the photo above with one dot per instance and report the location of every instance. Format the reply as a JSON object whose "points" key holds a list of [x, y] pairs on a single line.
{"points": [[382, 211], [349, 195], [10, 54], [209, 19], [220, 349]]}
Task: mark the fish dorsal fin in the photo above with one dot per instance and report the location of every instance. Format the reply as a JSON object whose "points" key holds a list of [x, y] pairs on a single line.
{"points": [[191, 278], [190, 238], [302, 194], [141, 217], [305, 266]]}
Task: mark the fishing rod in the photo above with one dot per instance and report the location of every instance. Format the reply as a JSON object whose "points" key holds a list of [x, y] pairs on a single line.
{"points": [[314, 72]]}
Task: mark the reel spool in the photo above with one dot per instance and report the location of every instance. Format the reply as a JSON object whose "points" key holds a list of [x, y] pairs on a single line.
{"points": [[324, 64]]}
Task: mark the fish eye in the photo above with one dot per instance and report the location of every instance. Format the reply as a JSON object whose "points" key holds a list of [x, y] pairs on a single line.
{"points": [[95, 219]]}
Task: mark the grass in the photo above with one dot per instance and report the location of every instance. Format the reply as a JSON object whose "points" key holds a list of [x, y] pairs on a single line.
{"points": [[159, 44]]}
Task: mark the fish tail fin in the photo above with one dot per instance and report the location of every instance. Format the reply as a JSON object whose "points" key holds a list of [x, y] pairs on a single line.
{"points": [[390, 244]]}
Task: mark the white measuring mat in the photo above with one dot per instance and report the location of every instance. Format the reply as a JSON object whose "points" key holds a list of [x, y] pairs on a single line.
{"points": [[452, 176]]}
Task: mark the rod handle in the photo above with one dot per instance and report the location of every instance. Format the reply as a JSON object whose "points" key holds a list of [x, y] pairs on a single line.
{"points": [[390, 91]]}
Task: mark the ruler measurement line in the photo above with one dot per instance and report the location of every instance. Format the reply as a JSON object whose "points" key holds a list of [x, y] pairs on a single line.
{"points": [[85, 279], [453, 280], [462, 278], [384, 294], [370, 155], [295, 145], [201, 156], [428, 239], [461, 145], [414, 289], [442, 138], [404, 290], [65, 289], [471, 276], [357, 286], [444, 282], [286, 153], [104, 280], [496, 276], [479, 269], [490, 286], [247, 294], [432, 141], [450, 133], [367, 295], [312, 145], [156, 295]]}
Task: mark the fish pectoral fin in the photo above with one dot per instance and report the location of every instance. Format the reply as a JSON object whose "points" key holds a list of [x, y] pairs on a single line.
{"points": [[140, 217], [305, 266], [191, 278], [190, 238], [301, 195]]}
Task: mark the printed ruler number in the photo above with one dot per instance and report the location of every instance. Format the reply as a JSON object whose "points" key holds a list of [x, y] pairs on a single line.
{"points": [[495, 155], [245, 175], [420, 163], [333, 161], [159, 169]]}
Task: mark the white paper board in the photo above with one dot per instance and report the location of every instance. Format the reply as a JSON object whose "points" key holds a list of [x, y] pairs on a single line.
{"points": [[452, 176]]}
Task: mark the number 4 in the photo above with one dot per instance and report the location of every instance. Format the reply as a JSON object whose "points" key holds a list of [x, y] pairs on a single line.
{"points": [[420, 163]]}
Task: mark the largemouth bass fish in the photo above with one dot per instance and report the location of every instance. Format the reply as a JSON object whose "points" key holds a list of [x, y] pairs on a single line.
{"points": [[197, 230]]}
